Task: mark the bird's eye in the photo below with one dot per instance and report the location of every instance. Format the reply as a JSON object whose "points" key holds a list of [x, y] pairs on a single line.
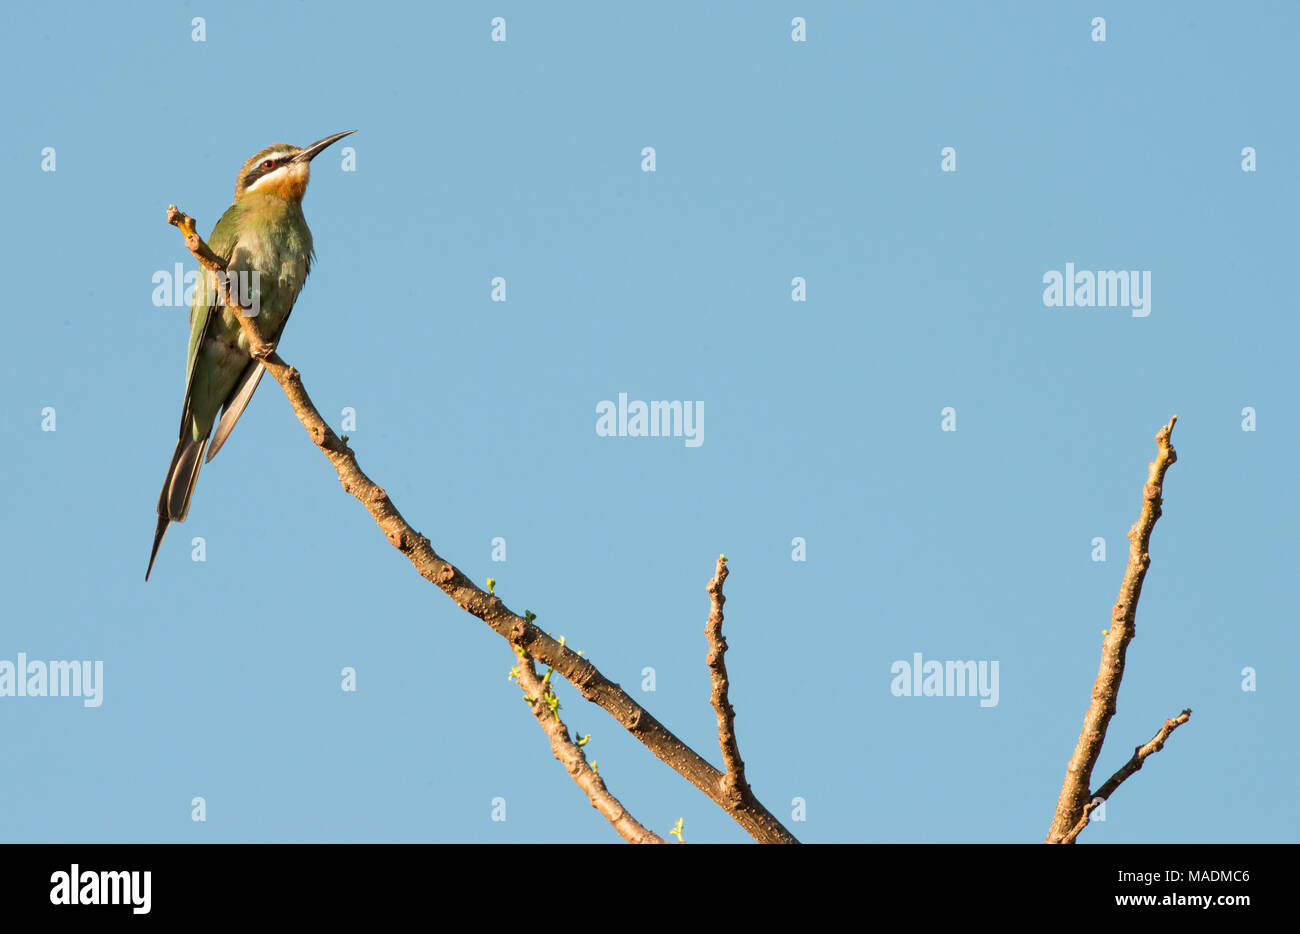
{"points": [[269, 163]]}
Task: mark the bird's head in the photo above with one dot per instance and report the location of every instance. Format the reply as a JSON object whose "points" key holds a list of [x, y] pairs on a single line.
{"points": [[281, 170]]}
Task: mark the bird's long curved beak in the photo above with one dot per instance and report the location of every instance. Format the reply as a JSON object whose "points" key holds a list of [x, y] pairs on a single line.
{"points": [[315, 149]]}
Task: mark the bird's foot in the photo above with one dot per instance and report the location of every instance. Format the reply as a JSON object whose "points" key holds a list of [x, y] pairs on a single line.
{"points": [[260, 350]]}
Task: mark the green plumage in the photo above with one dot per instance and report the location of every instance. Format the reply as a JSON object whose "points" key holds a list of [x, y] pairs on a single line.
{"points": [[261, 233]]}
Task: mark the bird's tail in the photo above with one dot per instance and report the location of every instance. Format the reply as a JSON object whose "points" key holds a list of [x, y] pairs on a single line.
{"points": [[177, 489]]}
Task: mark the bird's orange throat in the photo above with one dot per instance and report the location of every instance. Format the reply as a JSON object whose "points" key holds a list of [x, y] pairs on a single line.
{"points": [[291, 184]]}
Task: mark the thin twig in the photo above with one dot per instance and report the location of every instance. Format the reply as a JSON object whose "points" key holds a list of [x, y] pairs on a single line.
{"points": [[1140, 754], [1132, 765], [574, 759], [584, 676]]}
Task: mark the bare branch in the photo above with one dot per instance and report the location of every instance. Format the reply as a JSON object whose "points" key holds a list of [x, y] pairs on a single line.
{"points": [[1074, 797], [574, 759], [734, 779], [584, 676]]}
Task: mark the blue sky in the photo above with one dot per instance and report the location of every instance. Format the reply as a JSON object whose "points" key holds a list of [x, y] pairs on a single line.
{"points": [[774, 159]]}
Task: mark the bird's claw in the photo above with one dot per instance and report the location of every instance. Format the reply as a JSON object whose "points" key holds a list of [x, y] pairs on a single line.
{"points": [[261, 350]]}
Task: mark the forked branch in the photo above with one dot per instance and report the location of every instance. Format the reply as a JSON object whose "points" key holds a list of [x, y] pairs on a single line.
{"points": [[546, 708], [519, 632], [1075, 803]]}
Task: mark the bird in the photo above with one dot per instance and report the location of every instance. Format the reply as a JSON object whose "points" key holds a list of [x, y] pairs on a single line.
{"points": [[265, 241]]}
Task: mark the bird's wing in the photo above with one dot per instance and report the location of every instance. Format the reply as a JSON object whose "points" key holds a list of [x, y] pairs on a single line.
{"points": [[201, 318], [183, 472], [206, 308]]}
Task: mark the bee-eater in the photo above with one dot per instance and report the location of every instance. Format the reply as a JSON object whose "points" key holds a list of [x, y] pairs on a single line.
{"points": [[265, 241]]}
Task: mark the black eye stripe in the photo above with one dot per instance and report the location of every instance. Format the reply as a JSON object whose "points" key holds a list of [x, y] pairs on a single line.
{"points": [[260, 169]]}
